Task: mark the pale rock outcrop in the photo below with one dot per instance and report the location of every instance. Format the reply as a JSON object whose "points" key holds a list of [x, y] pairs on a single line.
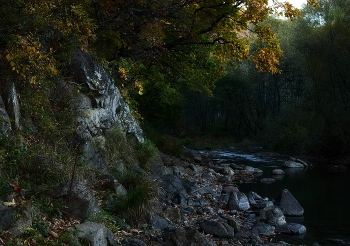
{"points": [[9, 109], [99, 104], [5, 124], [13, 108]]}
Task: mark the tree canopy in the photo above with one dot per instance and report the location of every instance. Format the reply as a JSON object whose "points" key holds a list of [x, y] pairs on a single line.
{"points": [[304, 109], [36, 34], [156, 50]]}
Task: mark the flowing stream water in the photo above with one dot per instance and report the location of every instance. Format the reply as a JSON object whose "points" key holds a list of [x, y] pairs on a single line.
{"points": [[324, 195]]}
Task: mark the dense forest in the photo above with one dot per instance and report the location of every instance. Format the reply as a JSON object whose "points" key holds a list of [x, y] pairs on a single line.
{"points": [[302, 109], [234, 68], [235, 71]]}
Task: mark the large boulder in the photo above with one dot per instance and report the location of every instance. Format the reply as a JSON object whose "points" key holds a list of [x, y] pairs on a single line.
{"points": [[6, 217], [100, 104], [171, 183], [288, 204], [238, 201], [95, 234], [79, 199], [275, 216], [158, 222], [277, 171], [257, 201], [15, 220]]}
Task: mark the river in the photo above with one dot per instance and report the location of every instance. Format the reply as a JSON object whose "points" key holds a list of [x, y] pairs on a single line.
{"points": [[324, 195]]}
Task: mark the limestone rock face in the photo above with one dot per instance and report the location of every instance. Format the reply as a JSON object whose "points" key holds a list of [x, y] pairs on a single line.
{"points": [[5, 124], [9, 109], [13, 107], [100, 104]]}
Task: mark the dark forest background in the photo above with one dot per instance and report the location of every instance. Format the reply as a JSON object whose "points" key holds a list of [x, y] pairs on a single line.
{"points": [[302, 110]]}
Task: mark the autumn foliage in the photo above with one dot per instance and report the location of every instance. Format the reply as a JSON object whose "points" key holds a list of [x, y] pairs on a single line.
{"points": [[37, 34], [154, 48]]}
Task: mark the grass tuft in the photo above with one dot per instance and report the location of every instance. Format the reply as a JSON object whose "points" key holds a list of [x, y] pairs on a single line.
{"points": [[138, 201]]}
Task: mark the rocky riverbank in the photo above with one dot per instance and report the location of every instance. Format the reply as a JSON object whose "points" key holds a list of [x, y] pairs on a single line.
{"points": [[200, 204], [199, 201]]}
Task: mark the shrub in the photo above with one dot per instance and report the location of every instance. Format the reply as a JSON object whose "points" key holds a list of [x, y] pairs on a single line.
{"points": [[107, 219], [120, 150], [133, 206], [116, 147], [168, 144], [11, 158], [146, 152]]}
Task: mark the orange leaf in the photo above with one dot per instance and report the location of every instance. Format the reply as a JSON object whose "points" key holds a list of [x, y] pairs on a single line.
{"points": [[16, 187]]}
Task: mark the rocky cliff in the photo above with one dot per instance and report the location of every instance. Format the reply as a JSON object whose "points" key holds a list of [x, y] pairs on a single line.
{"points": [[98, 106], [97, 101]]}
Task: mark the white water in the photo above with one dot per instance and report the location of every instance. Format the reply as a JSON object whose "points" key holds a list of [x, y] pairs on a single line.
{"points": [[238, 156]]}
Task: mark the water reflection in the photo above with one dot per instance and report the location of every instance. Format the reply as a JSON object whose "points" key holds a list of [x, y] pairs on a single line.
{"points": [[278, 177], [324, 196], [295, 172]]}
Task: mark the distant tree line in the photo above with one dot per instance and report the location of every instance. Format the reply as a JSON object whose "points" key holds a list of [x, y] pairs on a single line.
{"points": [[303, 109]]}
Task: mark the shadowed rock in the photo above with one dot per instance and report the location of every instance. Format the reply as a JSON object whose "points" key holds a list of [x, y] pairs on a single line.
{"points": [[238, 201], [188, 237], [263, 229], [80, 201], [275, 216], [293, 164], [221, 230], [288, 204], [277, 172], [296, 229], [95, 234]]}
